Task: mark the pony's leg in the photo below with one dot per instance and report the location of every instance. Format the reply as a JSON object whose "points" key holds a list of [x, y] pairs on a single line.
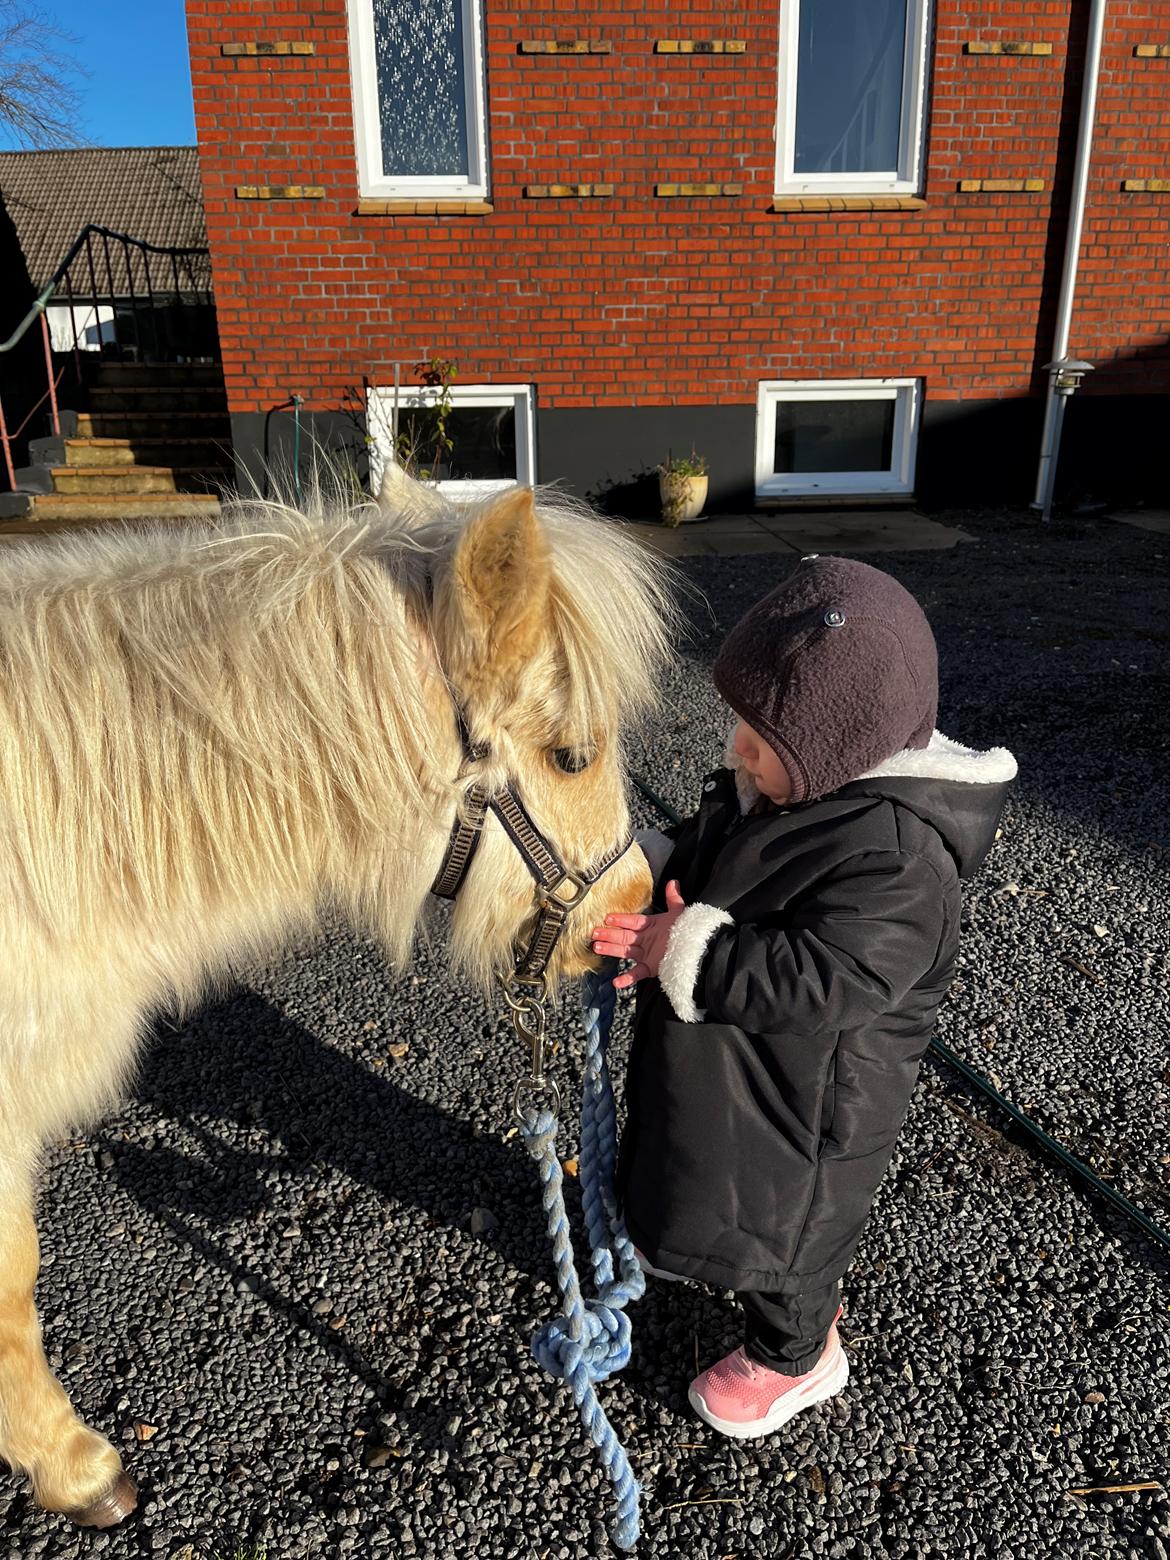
{"points": [[73, 1469]]}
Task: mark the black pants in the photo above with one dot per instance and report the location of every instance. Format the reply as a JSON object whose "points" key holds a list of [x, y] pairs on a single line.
{"points": [[787, 1332]]}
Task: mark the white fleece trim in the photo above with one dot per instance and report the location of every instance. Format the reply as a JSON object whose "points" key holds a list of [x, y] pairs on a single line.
{"points": [[685, 948], [746, 788], [942, 759]]}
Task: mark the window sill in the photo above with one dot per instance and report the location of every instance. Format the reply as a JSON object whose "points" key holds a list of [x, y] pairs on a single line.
{"points": [[824, 203], [874, 498], [834, 498], [434, 207]]}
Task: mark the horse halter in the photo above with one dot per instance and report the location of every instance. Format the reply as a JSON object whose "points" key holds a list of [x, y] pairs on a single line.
{"points": [[559, 889]]}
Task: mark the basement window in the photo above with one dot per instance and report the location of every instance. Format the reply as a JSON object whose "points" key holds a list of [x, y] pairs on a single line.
{"points": [[418, 93], [836, 437], [490, 429], [852, 97]]}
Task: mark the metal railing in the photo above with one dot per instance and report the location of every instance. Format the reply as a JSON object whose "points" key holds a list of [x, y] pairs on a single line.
{"points": [[115, 297]]}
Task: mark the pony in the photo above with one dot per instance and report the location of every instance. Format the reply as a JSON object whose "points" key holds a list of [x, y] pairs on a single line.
{"points": [[209, 734]]}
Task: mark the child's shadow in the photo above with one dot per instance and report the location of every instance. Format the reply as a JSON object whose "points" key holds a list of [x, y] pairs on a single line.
{"points": [[678, 1330]]}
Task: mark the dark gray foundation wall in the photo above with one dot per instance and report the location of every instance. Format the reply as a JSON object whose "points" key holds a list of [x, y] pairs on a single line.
{"points": [[266, 447], [609, 454], [987, 452], [969, 452]]}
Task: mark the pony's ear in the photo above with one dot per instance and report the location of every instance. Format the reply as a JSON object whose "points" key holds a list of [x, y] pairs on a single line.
{"points": [[502, 574]]}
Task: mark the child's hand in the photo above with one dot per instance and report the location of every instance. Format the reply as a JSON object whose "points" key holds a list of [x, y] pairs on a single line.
{"points": [[642, 938]]}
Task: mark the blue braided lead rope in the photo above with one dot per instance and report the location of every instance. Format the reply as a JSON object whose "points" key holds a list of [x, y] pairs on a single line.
{"points": [[591, 1338]]}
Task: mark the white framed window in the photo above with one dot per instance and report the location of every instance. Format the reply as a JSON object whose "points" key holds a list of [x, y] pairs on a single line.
{"points": [[418, 95], [836, 436], [86, 326], [490, 429], [852, 102]]}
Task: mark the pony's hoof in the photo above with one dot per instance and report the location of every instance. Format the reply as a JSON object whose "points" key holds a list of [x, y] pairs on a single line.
{"points": [[109, 1509]]}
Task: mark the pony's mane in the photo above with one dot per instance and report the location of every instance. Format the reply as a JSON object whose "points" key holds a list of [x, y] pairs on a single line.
{"points": [[271, 639]]}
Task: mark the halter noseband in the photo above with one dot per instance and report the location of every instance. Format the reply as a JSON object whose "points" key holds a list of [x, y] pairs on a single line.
{"points": [[559, 888]]}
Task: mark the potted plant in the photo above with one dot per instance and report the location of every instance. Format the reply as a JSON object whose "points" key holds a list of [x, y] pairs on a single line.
{"points": [[682, 487], [423, 444]]}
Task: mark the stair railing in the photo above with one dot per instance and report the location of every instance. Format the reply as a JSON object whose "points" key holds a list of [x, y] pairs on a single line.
{"points": [[138, 302]]}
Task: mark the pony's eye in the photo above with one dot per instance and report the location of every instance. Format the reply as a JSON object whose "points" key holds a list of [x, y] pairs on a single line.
{"points": [[571, 761]]}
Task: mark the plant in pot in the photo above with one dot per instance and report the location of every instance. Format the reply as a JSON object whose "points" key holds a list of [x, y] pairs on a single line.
{"points": [[423, 444], [682, 487]]}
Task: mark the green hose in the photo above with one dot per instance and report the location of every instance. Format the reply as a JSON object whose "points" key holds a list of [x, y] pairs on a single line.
{"points": [[983, 1085], [297, 401]]}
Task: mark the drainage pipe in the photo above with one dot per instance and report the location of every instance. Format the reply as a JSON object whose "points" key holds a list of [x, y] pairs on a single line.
{"points": [[1050, 439]]}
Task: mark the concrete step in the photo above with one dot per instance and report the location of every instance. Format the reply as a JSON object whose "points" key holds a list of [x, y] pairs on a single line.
{"points": [[105, 480], [127, 452], [158, 398], [189, 454], [149, 424], [59, 512], [131, 375]]}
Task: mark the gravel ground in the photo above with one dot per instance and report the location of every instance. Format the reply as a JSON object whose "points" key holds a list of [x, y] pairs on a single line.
{"points": [[308, 1252]]}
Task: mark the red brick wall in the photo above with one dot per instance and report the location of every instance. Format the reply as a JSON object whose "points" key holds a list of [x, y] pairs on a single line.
{"points": [[638, 300]]}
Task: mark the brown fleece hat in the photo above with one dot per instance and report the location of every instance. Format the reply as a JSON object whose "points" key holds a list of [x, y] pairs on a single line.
{"points": [[836, 669]]}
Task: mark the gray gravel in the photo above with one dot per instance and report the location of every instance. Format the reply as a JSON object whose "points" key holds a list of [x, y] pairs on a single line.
{"points": [[314, 1262]]}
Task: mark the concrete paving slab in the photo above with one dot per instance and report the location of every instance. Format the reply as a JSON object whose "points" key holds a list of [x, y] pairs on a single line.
{"points": [[719, 536], [1157, 520], [831, 531], [842, 531]]}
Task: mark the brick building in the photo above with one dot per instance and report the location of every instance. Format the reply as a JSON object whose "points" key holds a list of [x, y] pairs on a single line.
{"points": [[820, 241]]}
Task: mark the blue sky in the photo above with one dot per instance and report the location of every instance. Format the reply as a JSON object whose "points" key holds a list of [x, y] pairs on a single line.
{"points": [[138, 88]]}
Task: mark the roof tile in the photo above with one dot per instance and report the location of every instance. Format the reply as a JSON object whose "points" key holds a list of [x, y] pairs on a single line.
{"points": [[148, 192]]}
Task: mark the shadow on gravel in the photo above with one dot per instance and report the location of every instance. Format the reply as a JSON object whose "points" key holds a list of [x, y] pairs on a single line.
{"points": [[308, 1106], [1021, 1168], [246, 1063]]}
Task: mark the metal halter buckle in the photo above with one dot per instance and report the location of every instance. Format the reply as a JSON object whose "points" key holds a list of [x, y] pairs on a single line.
{"points": [[551, 893]]}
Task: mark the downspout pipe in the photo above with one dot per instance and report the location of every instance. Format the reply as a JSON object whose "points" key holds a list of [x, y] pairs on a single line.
{"points": [[1054, 404]]}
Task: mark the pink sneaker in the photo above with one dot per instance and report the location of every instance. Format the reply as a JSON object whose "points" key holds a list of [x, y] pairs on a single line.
{"points": [[745, 1400]]}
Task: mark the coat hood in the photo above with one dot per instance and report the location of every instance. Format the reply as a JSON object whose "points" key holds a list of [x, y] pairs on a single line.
{"points": [[959, 791]]}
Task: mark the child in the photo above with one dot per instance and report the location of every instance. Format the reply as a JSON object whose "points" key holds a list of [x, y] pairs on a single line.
{"points": [[792, 969]]}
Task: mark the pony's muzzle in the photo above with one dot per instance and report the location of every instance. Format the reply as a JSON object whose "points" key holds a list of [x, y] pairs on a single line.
{"points": [[628, 895]]}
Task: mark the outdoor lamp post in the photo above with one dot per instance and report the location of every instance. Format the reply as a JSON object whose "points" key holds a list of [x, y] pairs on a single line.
{"points": [[1064, 378]]}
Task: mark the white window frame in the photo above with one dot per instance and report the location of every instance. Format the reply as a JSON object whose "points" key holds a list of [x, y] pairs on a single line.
{"points": [[518, 396], [906, 179], [373, 181], [907, 397]]}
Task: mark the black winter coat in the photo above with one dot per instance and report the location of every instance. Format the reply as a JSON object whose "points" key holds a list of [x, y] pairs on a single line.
{"points": [[757, 1133]]}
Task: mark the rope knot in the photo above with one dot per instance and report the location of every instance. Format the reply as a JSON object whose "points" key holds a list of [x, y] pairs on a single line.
{"points": [[604, 1348]]}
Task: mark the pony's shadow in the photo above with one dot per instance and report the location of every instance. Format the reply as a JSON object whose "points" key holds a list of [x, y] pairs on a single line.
{"points": [[317, 1106], [314, 1107]]}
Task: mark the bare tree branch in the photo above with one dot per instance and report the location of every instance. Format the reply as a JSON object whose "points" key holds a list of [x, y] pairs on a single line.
{"points": [[40, 101]]}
